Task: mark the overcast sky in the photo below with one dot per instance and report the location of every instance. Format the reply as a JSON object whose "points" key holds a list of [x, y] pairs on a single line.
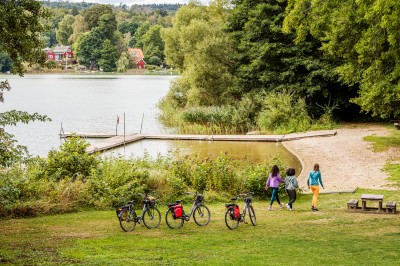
{"points": [[131, 2]]}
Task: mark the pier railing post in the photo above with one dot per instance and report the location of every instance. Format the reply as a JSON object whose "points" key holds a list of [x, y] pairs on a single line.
{"points": [[124, 130], [141, 125]]}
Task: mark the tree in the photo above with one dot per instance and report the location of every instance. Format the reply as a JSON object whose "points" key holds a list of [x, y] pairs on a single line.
{"points": [[153, 45], [142, 29], [93, 14], [200, 48], [269, 60], [108, 25], [364, 37], [109, 57], [123, 63], [88, 48], [20, 28], [65, 29], [5, 62], [78, 28]]}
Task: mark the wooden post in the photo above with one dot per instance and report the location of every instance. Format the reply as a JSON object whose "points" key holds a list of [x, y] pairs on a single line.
{"points": [[124, 130], [116, 126], [141, 125]]}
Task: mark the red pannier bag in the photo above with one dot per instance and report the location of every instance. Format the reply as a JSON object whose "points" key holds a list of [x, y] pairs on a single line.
{"points": [[178, 211], [236, 212]]}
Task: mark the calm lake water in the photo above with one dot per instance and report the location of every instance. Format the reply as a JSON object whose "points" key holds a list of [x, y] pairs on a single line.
{"points": [[91, 103]]}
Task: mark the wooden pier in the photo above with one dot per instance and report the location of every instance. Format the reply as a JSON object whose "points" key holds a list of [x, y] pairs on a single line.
{"points": [[112, 141]]}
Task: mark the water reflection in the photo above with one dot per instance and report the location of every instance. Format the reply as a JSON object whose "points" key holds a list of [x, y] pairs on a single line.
{"points": [[250, 151]]}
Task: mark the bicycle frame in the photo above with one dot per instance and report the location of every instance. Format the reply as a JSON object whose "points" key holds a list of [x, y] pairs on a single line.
{"points": [[133, 211]]}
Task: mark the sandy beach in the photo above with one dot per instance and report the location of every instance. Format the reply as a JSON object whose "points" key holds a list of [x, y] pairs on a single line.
{"points": [[346, 161]]}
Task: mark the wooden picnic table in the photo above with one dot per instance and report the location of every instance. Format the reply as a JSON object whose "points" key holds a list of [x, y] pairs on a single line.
{"points": [[371, 197], [396, 123]]}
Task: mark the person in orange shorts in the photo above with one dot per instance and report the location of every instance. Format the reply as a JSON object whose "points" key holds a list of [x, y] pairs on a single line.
{"points": [[313, 181]]}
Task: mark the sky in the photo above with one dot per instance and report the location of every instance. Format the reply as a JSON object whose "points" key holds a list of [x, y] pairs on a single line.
{"points": [[131, 2]]}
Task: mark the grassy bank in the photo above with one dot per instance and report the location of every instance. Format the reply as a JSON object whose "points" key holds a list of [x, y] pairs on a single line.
{"points": [[384, 143], [331, 236]]}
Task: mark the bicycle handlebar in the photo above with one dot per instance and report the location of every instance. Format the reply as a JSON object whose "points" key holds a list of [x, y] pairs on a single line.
{"points": [[245, 194]]}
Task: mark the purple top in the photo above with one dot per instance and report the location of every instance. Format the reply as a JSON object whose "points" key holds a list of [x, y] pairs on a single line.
{"points": [[274, 181]]}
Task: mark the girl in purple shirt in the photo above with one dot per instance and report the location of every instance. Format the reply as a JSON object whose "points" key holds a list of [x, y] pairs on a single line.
{"points": [[274, 179]]}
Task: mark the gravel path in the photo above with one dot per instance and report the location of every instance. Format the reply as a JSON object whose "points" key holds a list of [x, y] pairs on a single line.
{"points": [[346, 161]]}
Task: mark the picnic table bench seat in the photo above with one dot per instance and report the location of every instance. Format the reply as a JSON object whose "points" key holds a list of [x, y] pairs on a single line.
{"points": [[352, 204], [391, 207]]}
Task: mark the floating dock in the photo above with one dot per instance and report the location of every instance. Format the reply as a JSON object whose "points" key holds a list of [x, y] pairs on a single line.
{"points": [[113, 141]]}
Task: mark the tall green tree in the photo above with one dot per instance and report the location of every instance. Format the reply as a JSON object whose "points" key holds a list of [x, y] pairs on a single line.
{"points": [[92, 15], [201, 49], [108, 25], [88, 48], [65, 29], [78, 28], [269, 60], [364, 37], [20, 28], [109, 57], [153, 44]]}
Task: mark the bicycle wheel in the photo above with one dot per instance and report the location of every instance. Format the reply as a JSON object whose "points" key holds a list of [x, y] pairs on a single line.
{"points": [[172, 222], [230, 222], [127, 220], [252, 215], [152, 217], [201, 215]]}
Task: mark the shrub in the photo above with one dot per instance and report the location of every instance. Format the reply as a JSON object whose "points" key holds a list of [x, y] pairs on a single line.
{"points": [[70, 161], [116, 182], [283, 113]]}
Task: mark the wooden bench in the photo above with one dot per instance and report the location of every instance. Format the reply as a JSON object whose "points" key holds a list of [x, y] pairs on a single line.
{"points": [[391, 207], [371, 197], [352, 204]]}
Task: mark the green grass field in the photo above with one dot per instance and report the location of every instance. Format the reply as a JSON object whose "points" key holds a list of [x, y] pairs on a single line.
{"points": [[332, 236]]}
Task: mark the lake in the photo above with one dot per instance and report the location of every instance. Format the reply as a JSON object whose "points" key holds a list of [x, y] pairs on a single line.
{"points": [[91, 103]]}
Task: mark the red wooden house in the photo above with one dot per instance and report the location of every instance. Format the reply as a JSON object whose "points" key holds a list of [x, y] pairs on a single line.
{"points": [[59, 53], [137, 56]]}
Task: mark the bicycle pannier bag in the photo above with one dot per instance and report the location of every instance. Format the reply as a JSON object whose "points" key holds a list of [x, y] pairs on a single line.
{"points": [[236, 212], [178, 211]]}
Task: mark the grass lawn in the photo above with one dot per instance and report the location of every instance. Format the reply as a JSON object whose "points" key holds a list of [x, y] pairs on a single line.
{"points": [[332, 236]]}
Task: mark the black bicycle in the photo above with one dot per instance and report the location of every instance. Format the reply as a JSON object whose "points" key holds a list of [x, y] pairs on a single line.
{"points": [[233, 215], [150, 216], [175, 215]]}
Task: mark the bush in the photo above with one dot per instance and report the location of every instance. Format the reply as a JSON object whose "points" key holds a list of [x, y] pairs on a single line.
{"points": [[116, 182], [70, 161], [50, 64], [154, 60], [283, 113]]}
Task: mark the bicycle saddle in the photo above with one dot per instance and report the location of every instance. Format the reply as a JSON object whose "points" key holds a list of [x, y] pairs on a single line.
{"points": [[230, 204]]}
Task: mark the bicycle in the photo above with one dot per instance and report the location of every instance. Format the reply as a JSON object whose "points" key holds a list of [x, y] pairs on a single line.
{"points": [[175, 215], [233, 215], [150, 216]]}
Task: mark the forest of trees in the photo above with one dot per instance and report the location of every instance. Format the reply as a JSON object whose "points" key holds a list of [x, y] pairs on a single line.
{"points": [[101, 34], [282, 65]]}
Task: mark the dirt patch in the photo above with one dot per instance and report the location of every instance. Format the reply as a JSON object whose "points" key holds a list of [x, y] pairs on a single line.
{"points": [[346, 160]]}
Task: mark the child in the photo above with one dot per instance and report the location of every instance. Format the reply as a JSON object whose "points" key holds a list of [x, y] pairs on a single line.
{"points": [[313, 181], [290, 185], [274, 179]]}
